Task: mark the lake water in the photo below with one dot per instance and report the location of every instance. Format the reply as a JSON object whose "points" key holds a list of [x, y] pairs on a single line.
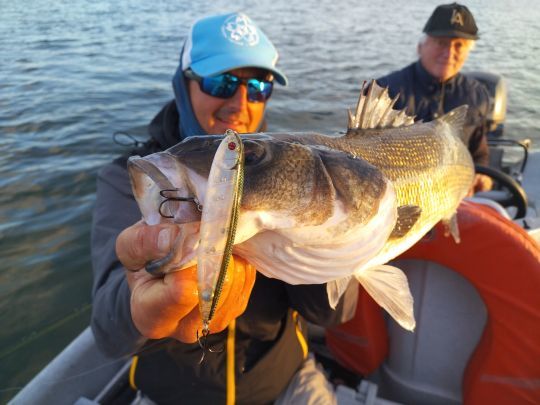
{"points": [[73, 72]]}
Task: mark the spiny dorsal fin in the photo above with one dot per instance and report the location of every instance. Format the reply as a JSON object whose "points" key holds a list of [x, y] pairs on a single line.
{"points": [[407, 217], [374, 110], [455, 120]]}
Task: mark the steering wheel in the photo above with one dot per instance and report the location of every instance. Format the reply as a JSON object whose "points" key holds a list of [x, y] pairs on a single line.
{"points": [[516, 196]]}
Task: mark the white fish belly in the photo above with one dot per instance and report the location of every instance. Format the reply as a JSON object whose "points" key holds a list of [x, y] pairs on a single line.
{"points": [[276, 255]]}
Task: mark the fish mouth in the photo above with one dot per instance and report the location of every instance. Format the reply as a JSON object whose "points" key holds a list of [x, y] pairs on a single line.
{"points": [[163, 190]]}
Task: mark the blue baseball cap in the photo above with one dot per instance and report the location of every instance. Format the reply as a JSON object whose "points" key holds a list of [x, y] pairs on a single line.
{"points": [[221, 43]]}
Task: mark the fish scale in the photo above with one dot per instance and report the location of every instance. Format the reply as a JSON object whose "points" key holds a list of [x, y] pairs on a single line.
{"points": [[427, 164]]}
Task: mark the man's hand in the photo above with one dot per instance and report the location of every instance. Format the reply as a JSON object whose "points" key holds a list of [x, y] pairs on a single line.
{"points": [[481, 183], [168, 306]]}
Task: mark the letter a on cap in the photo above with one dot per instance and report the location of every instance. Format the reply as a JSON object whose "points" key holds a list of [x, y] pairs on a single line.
{"points": [[457, 18]]}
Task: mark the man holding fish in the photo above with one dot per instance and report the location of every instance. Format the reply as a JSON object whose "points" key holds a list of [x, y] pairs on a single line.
{"points": [[257, 344]]}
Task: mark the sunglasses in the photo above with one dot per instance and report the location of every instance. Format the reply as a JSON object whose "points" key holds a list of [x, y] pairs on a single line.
{"points": [[226, 85]]}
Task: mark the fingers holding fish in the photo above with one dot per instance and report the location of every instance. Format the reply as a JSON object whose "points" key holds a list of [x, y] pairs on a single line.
{"points": [[141, 243], [189, 327], [158, 304], [234, 294], [166, 306], [232, 303]]}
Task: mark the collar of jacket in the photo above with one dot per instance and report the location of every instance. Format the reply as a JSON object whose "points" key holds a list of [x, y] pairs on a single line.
{"points": [[430, 84]]}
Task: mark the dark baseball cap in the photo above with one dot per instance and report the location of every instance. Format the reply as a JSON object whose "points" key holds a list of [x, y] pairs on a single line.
{"points": [[452, 20]]}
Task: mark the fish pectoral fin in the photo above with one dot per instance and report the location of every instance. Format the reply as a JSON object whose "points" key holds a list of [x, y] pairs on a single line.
{"points": [[335, 290], [407, 217], [389, 287], [451, 228]]}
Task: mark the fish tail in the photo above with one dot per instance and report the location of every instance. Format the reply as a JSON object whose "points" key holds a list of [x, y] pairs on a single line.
{"points": [[389, 287]]}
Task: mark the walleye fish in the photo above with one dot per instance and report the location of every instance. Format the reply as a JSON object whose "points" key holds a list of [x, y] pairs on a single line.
{"points": [[322, 209]]}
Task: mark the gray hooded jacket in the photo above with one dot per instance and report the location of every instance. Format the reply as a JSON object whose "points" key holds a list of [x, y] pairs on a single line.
{"points": [[267, 352]]}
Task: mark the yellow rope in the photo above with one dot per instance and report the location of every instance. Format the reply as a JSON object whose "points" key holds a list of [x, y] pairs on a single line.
{"points": [[132, 372], [231, 384], [299, 334]]}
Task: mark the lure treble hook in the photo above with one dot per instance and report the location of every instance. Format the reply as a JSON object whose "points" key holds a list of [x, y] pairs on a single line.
{"points": [[167, 197], [203, 342]]}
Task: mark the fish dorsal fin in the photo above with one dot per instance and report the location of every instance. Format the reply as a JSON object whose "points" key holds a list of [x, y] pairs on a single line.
{"points": [[407, 217], [455, 120], [375, 110]]}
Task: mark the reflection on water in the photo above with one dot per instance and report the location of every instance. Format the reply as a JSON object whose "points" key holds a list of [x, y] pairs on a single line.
{"points": [[72, 73]]}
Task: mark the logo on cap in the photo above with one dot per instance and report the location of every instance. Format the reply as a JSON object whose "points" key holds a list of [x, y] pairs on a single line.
{"points": [[457, 18], [240, 30]]}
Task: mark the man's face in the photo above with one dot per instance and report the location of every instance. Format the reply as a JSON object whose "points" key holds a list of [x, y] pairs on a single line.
{"points": [[443, 57], [216, 115]]}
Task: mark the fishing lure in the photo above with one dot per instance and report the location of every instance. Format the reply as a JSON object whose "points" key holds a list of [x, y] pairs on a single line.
{"points": [[218, 225]]}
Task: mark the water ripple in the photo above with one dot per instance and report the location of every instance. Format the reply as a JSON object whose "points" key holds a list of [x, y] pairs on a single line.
{"points": [[73, 72]]}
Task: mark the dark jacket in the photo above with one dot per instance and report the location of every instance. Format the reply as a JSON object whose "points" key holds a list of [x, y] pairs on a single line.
{"points": [[427, 98], [267, 349]]}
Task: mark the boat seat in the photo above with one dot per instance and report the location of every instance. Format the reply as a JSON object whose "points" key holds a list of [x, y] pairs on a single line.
{"points": [[477, 306]]}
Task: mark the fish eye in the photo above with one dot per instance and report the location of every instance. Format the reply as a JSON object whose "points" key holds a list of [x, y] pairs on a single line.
{"points": [[254, 153]]}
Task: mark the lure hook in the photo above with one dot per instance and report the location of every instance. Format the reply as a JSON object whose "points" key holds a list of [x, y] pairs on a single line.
{"points": [[203, 343], [168, 198], [202, 340]]}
